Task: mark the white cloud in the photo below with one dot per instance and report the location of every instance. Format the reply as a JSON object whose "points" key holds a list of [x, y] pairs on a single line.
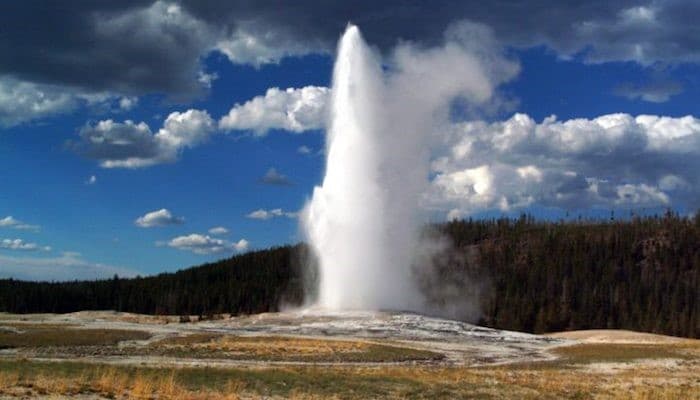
{"points": [[162, 217], [204, 244], [219, 230], [615, 160], [295, 110], [91, 180], [126, 103], [157, 47], [241, 245], [273, 213], [672, 182], [640, 194], [23, 101], [644, 34], [273, 177], [249, 45], [655, 92], [68, 266], [13, 223], [304, 150], [185, 129], [530, 172], [19, 244], [133, 145], [207, 79]]}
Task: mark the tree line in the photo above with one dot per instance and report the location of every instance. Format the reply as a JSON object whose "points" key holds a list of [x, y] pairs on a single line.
{"points": [[640, 274], [254, 282], [534, 276]]}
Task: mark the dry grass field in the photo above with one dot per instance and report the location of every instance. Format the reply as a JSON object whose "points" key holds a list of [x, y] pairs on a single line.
{"points": [[38, 336], [279, 348], [43, 360]]}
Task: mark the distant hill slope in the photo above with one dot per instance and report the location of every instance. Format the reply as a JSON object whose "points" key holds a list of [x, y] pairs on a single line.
{"points": [[525, 275]]}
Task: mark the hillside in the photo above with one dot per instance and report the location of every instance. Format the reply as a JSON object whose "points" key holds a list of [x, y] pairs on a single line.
{"points": [[640, 274]]}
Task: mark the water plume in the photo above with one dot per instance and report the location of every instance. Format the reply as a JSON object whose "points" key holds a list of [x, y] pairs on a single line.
{"points": [[363, 222]]}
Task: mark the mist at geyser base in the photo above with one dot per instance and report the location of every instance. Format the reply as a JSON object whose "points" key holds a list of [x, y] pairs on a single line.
{"points": [[363, 223]]}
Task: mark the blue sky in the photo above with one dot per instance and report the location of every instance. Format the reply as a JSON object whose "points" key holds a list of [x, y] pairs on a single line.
{"points": [[77, 176]]}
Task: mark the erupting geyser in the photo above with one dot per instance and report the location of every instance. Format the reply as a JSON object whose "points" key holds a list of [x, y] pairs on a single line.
{"points": [[361, 232], [363, 221]]}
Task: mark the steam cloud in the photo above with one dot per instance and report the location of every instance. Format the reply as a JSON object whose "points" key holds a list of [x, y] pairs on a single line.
{"points": [[363, 222]]}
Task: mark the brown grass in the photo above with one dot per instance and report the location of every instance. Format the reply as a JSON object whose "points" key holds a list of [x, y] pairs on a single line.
{"points": [[8, 379], [112, 382], [141, 388], [36, 336], [613, 352], [360, 382], [277, 348], [644, 373]]}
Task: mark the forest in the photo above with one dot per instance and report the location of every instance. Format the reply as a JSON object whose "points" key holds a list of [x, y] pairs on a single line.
{"points": [[641, 273]]}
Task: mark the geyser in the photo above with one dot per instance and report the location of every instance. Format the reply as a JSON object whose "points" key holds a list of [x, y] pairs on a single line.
{"points": [[360, 238], [363, 221]]}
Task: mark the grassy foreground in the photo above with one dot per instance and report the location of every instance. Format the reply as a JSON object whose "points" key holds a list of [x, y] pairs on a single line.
{"points": [[669, 370], [584, 371]]}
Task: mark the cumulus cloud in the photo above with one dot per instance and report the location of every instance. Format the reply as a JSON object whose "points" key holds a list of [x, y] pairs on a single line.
{"points": [[24, 101], [19, 244], [133, 145], [88, 52], [128, 49], [219, 230], [268, 214], [13, 223], [69, 266], [131, 47], [615, 160], [162, 217], [126, 103], [249, 45], [598, 30], [138, 47], [295, 110], [645, 34], [272, 177], [204, 244], [655, 92], [206, 79], [305, 150]]}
